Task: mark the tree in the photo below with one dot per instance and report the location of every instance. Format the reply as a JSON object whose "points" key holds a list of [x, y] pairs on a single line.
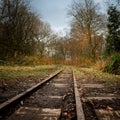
{"points": [[113, 38], [87, 25], [42, 37], [19, 27]]}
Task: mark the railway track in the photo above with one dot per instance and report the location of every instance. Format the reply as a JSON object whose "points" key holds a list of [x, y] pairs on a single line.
{"points": [[55, 98], [51, 99]]}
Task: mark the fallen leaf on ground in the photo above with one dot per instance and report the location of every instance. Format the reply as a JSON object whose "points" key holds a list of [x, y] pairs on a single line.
{"points": [[109, 108], [83, 100]]}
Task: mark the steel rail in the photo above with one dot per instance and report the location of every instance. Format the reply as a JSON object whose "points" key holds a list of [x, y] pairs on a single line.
{"points": [[79, 109]]}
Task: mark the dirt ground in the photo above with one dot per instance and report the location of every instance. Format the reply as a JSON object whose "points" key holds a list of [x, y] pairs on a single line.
{"points": [[11, 89], [99, 95]]}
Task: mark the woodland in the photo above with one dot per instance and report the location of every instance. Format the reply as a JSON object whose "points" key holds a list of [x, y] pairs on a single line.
{"points": [[94, 38]]}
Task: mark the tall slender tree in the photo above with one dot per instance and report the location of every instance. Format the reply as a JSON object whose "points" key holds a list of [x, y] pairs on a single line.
{"points": [[87, 25], [113, 38]]}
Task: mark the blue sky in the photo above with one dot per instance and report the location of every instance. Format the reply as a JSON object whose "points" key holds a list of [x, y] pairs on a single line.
{"points": [[55, 12]]}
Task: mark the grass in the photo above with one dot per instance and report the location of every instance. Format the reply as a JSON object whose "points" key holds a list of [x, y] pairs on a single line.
{"points": [[25, 71], [97, 75]]}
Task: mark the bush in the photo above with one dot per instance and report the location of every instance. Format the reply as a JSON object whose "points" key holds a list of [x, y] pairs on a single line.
{"points": [[113, 64], [27, 60], [100, 64]]}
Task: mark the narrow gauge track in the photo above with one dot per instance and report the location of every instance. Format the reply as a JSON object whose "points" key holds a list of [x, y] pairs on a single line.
{"points": [[51, 99], [57, 98]]}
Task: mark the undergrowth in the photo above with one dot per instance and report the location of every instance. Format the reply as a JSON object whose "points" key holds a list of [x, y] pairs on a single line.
{"points": [[113, 64], [97, 75], [25, 71]]}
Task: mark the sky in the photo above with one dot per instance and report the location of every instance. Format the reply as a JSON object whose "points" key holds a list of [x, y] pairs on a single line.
{"points": [[55, 12]]}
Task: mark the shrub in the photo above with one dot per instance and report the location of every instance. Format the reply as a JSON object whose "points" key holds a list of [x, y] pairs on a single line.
{"points": [[99, 65], [113, 64], [27, 60]]}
